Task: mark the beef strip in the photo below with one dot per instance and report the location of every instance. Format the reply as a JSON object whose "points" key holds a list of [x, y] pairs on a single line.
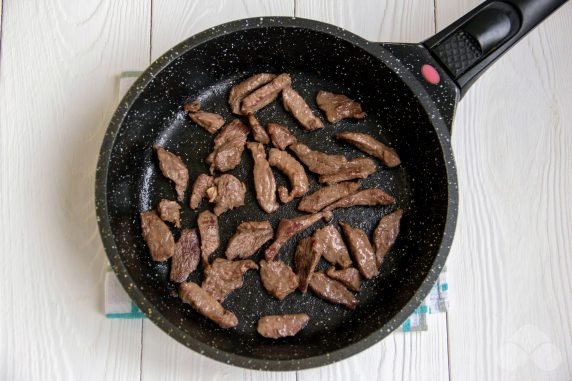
{"points": [[371, 146], [332, 291], [287, 228], [228, 147], [190, 107], [208, 229], [209, 121], [258, 132], [306, 259], [264, 182], [224, 276], [278, 278], [361, 250], [293, 170], [348, 277], [263, 96], [280, 136], [239, 91], [200, 186], [249, 237], [157, 235], [365, 197], [331, 246], [318, 162], [186, 257], [358, 168], [385, 234], [338, 107], [205, 304], [227, 193], [298, 107], [169, 211], [325, 196], [277, 326], [174, 169]]}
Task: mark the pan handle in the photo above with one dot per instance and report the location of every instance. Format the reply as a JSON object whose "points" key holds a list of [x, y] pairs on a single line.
{"points": [[466, 48]]}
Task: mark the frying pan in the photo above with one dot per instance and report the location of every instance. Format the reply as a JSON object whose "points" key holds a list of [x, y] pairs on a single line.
{"points": [[409, 92]]}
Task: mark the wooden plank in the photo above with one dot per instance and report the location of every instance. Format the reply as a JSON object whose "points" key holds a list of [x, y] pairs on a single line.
{"points": [[511, 264], [59, 69]]}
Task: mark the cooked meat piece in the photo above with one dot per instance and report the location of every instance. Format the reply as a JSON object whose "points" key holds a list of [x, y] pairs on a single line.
{"points": [[293, 170], [332, 291], [287, 228], [365, 197], [348, 277], [174, 169], [208, 229], [385, 234], [264, 182], [277, 326], [169, 211], [224, 276], [325, 196], [209, 121], [202, 183], [298, 107], [191, 107], [281, 137], [331, 246], [227, 193], [157, 235], [228, 147], [239, 91], [361, 250], [186, 257], [265, 95], [249, 237], [258, 132], [359, 168], [338, 106], [371, 146], [318, 162], [206, 305], [278, 278], [306, 260]]}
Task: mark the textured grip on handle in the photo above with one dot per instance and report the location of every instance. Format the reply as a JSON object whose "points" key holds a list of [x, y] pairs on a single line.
{"points": [[459, 52]]}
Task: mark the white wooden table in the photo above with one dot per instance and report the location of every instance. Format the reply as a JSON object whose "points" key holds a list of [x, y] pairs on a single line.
{"points": [[510, 268]]}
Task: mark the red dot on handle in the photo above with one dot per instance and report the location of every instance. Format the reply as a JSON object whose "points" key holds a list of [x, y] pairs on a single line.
{"points": [[430, 74]]}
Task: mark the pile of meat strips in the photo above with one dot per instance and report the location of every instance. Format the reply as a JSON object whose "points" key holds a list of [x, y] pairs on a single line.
{"points": [[352, 256]]}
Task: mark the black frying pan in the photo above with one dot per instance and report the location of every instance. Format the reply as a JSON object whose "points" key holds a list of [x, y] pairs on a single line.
{"points": [[409, 92]]}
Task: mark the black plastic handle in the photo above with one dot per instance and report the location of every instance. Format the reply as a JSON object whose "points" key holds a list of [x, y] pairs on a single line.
{"points": [[471, 44]]}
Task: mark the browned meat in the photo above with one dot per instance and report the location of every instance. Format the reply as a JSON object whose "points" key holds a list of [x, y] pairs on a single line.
{"points": [[157, 236], [209, 121], [359, 168], [224, 276], [174, 169], [288, 228], [306, 260], [227, 193], [361, 250], [332, 291], [371, 146], [318, 162], [348, 277], [365, 197], [330, 245], [200, 186], [186, 257], [239, 91], [206, 305], [258, 132], [277, 326], [169, 211], [298, 107], [228, 147], [325, 196], [191, 107], [208, 229], [265, 95], [249, 237], [264, 182], [281, 137], [385, 234], [278, 278], [338, 106], [293, 170]]}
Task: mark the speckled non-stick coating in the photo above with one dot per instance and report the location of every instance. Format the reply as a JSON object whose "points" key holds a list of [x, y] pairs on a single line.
{"points": [[318, 56]]}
